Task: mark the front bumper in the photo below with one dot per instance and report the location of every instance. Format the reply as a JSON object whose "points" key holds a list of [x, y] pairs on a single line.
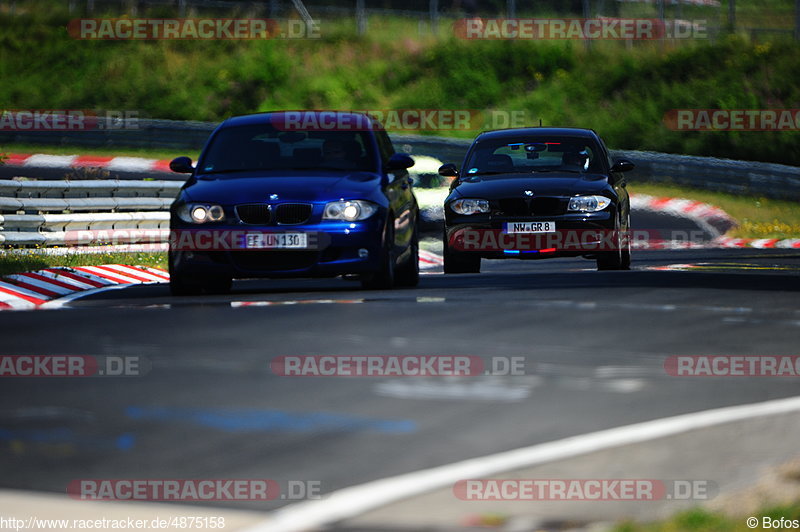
{"points": [[334, 248], [576, 234]]}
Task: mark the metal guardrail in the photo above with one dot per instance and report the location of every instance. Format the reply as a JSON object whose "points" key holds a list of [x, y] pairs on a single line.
{"points": [[767, 180], [741, 177], [751, 178], [47, 211], [132, 133], [89, 211]]}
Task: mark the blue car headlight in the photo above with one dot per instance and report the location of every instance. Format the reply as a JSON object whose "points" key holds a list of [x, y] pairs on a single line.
{"points": [[349, 211], [200, 213], [588, 203]]}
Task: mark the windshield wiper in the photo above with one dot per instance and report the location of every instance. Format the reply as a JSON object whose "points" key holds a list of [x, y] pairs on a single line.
{"points": [[229, 170], [317, 168], [558, 170], [491, 172]]}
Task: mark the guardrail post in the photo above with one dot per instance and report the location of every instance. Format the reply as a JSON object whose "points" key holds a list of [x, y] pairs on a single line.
{"points": [[586, 14], [361, 18], [797, 19], [434, 10]]}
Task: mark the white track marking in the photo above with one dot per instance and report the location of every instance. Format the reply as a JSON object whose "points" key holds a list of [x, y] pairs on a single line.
{"points": [[63, 301], [349, 502]]}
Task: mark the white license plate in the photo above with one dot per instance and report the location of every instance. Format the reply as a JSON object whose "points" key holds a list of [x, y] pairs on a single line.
{"points": [[276, 241], [529, 227]]}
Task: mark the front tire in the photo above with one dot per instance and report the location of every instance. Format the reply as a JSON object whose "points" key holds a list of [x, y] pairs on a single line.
{"points": [[619, 259], [182, 285], [460, 262], [407, 275], [384, 278]]}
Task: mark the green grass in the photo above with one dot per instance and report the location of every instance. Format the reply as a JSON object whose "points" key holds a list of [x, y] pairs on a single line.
{"points": [[622, 93], [699, 520], [757, 217], [30, 260]]}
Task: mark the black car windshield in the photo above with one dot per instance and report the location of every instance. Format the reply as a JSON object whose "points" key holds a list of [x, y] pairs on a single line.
{"points": [[264, 147], [535, 155]]}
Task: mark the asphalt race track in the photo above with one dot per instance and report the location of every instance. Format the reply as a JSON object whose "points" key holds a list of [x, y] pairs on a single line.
{"points": [[594, 346]]}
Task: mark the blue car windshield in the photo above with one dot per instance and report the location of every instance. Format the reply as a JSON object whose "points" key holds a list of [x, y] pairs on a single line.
{"points": [[263, 147], [535, 155]]}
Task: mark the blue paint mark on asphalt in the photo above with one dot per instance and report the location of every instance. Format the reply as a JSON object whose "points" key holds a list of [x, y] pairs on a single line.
{"points": [[61, 435], [251, 420]]}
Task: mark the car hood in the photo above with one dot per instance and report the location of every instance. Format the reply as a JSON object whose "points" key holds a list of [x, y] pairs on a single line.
{"points": [[550, 184], [245, 187]]}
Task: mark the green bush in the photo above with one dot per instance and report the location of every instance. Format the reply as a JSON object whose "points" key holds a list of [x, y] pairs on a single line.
{"points": [[622, 93]]}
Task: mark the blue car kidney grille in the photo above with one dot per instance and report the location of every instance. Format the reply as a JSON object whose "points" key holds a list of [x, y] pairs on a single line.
{"points": [[254, 214], [292, 213]]}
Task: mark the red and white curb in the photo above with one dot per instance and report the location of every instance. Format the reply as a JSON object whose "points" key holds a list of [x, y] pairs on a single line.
{"points": [[121, 164], [710, 217], [707, 216], [35, 289], [721, 243], [759, 243], [428, 260], [680, 206]]}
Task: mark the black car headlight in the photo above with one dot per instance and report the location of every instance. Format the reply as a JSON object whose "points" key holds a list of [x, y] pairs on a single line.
{"points": [[200, 213], [588, 203], [469, 206], [349, 211]]}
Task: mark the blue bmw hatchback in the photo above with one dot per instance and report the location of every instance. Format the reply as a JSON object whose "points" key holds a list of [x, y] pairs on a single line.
{"points": [[294, 194]]}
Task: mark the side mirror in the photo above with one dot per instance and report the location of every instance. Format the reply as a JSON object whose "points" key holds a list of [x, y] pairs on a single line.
{"points": [[622, 165], [448, 170], [399, 161], [181, 165]]}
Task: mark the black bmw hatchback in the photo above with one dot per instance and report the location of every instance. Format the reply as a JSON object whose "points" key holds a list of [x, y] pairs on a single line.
{"points": [[535, 193]]}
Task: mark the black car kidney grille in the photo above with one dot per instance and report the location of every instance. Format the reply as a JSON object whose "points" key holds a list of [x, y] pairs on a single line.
{"points": [[542, 206], [292, 213], [254, 214]]}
